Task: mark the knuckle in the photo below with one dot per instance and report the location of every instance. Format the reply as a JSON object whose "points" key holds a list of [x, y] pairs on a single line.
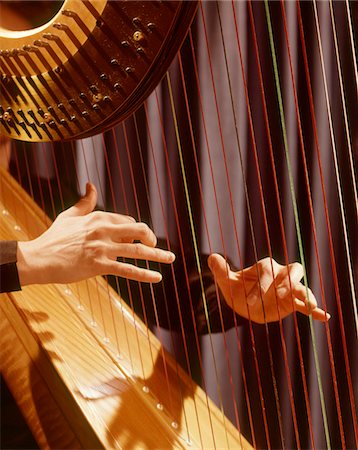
{"points": [[143, 229], [265, 261], [130, 270], [264, 266], [137, 250], [94, 234], [61, 215], [297, 265], [96, 250], [95, 216]]}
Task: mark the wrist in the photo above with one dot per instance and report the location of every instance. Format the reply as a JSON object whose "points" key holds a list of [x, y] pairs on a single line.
{"points": [[26, 264]]}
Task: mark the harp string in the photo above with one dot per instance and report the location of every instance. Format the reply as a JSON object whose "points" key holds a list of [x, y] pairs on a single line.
{"points": [[120, 169], [104, 325], [348, 138], [280, 218], [353, 47], [77, 183], [73, 376], [253, 239], [197, 343], [336, 166], [220, 230], [82, 150], [283, 236], [302, 147], [144, 178], [116, 278], [196, 250], [185, 265], [151, 287], [171, 333], [296, 217], [207, 146], [29, 307], [329, 231], [57, 177], [194, 147], [80, 147], [277, 403]]}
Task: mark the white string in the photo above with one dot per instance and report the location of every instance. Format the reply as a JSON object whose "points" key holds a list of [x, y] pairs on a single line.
{"points": [[336, 167]]}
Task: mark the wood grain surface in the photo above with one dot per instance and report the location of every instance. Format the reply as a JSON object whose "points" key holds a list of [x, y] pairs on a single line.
{"points": [[84, 369]]}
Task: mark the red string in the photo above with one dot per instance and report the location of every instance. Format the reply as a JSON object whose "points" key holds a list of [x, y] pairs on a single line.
{"points": [[331, 249], [182, 254], [266, 229], [206, 227], [278, 201], [307, 183]]}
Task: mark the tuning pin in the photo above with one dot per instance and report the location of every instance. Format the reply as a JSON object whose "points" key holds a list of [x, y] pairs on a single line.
{"points": [[31, 48], [34, 127], [51, 37], [68, 13], [40, 43], [61, 26], [24, 127]]}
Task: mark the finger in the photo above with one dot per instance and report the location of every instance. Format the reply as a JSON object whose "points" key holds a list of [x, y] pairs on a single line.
{"points": [[296, 272], [218, 266], [131, 272], [267, 269], [316, 313], [321, 315], [134, 231], [109, 217], [305, 294], [84, 206], [126, 233], [283, 286], [262, 273], [140, 251]]}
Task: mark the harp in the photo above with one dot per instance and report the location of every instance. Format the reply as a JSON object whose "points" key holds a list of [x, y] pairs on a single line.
{"points": [[248, 147]]}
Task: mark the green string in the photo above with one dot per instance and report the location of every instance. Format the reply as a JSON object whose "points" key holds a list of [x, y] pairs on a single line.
{"points": [[196, 250], [297, 222]]}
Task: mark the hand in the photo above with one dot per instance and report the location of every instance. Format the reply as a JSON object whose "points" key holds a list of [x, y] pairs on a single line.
{"points": [[81, 243], [278, 295]]}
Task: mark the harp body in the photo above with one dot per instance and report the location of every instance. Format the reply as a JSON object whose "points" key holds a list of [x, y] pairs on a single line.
{"points": [[235, 152]]}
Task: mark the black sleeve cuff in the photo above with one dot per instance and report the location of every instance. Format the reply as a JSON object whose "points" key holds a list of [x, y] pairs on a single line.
{"points": [[9, 277]]}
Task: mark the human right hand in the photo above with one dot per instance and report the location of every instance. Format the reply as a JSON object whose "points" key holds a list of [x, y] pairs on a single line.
{"points": [[266, 291]]}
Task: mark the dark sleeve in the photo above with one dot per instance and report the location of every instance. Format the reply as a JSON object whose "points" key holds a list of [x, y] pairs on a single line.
{"points": [[216, 314], [184, 300], [9, 277], [208, 308]]}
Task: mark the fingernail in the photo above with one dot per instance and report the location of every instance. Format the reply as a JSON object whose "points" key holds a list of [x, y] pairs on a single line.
{"points": [[131, 219], [158, 277], [171, 257]]}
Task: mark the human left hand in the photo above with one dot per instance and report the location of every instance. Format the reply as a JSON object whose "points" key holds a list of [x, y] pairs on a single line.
{"points": [[266, 291], [83, 243]]}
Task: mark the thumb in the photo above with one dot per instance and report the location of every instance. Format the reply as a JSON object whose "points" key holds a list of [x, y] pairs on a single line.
{"points": [[218, 266], [85, 205]]}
